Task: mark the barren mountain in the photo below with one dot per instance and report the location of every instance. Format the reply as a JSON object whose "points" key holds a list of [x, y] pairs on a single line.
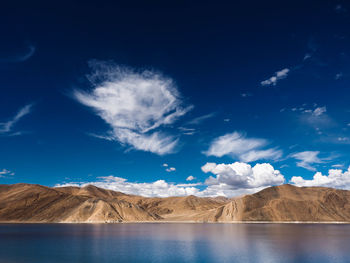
{"points": [[36, 203], [288, 203]]}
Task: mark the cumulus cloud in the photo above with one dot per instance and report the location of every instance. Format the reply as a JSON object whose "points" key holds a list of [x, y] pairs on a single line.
{"points": [[159, 188], [272, 81], [190, 178], [230, 180], [336, 178], [245, 149], [170, 169], [242, 175], [307, 159], [135, 105], [6, 128]]}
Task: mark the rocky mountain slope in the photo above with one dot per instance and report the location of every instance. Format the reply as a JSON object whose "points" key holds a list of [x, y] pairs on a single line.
{"points": [[90, 204]]}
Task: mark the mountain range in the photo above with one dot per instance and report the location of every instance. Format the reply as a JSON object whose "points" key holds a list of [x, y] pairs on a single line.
{"points": [[29, 203]]}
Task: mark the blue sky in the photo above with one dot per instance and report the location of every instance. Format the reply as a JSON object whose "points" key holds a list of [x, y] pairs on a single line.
{"points": [[167, 99]]}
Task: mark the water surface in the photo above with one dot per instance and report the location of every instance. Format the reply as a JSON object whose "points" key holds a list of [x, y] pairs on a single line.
{"points": [[160, 242]]}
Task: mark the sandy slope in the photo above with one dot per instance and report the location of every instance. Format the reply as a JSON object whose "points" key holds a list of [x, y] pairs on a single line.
{"points": [[286, 203]]}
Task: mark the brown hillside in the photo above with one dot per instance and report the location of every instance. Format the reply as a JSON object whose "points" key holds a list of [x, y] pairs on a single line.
{"points": [[288, 203], [36, 203]]}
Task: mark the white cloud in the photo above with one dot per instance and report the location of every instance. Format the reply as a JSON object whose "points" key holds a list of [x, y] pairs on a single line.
{"points": [[336, 178], [170, 169], [135, 105], [272, 81], [7, 127], [231, 180], [187, 131], [307, 56], [190, 178], [319, 111], [200, 119], [159, 188], [307, 159], [242, 175], [227, 191], [314, 116], [338, 165], [313, 112], [245, 149], [5, 172]]}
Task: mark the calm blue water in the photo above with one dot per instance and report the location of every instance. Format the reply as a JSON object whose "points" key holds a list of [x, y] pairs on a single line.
{"points": [[87, 243]]}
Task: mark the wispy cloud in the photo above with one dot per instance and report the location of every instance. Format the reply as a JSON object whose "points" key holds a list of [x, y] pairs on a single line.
{"points": [[30, 50], [245, 95], [6, 128], [338, 76], [135, 105], [244, 149], [5, 172], [272, 81], [313, 116], [187, 131], [319, 111], [200, 119], [307, 159]]}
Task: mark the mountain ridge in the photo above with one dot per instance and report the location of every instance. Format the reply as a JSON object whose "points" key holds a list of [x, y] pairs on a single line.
{"points": [[29, 203]]}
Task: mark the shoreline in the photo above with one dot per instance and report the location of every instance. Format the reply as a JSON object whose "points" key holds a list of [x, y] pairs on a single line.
{"points": [[187, 222]]}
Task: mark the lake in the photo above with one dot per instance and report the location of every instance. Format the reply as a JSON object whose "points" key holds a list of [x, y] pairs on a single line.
{"points": [[161, 242]]}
